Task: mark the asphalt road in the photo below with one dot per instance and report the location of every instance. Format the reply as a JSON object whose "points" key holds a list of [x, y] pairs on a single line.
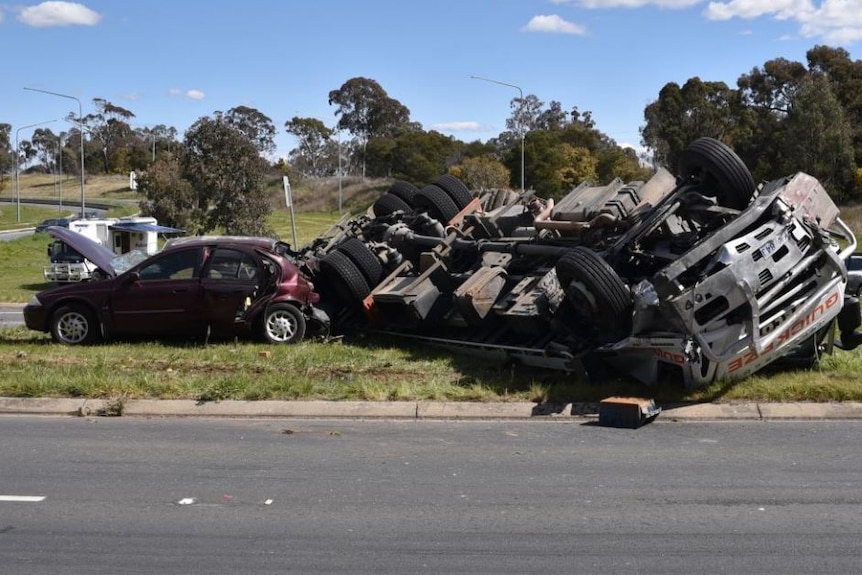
{"points": [[130, 495], [11, 315]]}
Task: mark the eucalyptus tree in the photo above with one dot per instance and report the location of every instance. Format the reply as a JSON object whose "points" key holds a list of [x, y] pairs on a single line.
{"points": [[313, 138], [817, 139], [225, 169], [7, 161], [681, 114], [109, 127], [257, 126], [366, 111]]}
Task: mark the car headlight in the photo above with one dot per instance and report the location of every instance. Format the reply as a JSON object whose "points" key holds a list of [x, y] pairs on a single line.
{"points": [[34, 302]]}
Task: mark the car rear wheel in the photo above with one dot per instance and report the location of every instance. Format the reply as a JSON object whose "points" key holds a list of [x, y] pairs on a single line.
{"points": [[717, 168], [283, 323], [74, 325], [598, 295]]}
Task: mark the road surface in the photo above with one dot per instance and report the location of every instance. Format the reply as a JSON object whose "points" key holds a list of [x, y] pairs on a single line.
{"points": [[128, 495]]}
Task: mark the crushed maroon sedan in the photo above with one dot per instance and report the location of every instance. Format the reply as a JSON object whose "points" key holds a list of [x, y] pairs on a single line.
{"points": [[196, 286]]}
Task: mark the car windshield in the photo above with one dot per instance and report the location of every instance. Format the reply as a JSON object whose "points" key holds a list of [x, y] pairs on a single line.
{"points": [[127, 261]]}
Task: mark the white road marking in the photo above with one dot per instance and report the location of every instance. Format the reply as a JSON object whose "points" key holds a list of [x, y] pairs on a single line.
{"points": [[22, 498]]}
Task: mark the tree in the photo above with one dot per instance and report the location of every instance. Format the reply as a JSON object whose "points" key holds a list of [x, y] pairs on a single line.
{"points": [[845, 76], [413, 155], [367, 111], [7, 155], [313, 137], [109, 127], [147, 143], [256, 126], [169, 197], [45, 144], [817, 138], [683, 114], [226, 171], [765, 95], [482, 173]]}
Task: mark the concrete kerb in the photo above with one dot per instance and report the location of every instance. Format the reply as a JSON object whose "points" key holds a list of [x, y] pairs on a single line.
{"points": [[415, 410]]}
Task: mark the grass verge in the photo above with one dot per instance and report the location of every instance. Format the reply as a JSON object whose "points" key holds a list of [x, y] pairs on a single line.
{"points": [[367, 368]]}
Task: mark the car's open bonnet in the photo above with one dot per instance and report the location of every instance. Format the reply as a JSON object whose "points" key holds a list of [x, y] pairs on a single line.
{"points": [[93, 251]]}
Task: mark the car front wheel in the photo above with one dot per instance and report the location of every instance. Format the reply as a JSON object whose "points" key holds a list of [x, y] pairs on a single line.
{"points": [[74, 325], [283, 323]]}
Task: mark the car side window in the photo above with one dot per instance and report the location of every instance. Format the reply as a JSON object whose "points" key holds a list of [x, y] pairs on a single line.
{"points": [[179, 265], [231, 264]]}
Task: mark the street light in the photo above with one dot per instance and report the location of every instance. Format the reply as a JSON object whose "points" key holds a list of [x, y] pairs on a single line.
{"points": [[18, 161], [521, 130], [80, 127]]}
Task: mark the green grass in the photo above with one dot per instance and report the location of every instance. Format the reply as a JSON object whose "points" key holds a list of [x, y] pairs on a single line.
{"points": [[365, 368]]}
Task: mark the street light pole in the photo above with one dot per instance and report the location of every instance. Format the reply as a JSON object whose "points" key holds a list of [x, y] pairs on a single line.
{"points": [[80, 128], [18, 161], [521, 127]]}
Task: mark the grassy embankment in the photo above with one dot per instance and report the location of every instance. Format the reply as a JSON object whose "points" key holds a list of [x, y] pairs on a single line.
{"points": [[357, 368]]}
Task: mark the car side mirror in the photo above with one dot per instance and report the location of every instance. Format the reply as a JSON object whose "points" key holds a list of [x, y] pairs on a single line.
{"points": [[132, 277]]}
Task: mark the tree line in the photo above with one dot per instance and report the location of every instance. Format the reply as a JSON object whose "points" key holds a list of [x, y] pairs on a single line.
{"points": [[782, 117]]}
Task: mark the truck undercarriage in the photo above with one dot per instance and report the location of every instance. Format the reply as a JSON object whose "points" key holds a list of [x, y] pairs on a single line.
{"points": [[702, 276]]}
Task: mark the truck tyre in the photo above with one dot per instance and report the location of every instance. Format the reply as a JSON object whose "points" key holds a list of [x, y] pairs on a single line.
{"points": [[598, 295], [75, 325], [456, 190], [388, 204], [717, 168], [364, 260], [404, 191], [282, 323], [344, 278], [437, 202]]}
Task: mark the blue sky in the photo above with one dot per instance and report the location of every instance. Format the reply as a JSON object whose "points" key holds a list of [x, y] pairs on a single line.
{"points": [[171, 62]]}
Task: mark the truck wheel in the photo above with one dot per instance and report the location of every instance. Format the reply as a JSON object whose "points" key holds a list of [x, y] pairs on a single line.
{"points": [[598, 295], [74, 325], [364, 259], [404, 191], [456, 190], [717, 168], [387, 204], [344, 278], [437, 202], [282, 323]]}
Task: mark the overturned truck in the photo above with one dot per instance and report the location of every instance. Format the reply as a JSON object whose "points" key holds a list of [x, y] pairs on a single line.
{"points": [[701, 276]]}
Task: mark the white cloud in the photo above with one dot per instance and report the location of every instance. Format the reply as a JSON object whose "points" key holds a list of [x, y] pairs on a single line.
{"points": [[49, 14], [175, 92], [835, 21], [553, 24], [748, 9], [456, 127], [1, 15], [600, 4], [195, 95]]}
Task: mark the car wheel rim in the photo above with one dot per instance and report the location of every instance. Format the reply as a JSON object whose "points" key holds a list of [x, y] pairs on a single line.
{"points": [[281, 326], [73, 328]]}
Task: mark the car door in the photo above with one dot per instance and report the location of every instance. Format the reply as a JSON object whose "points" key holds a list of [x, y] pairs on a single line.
{"points": [[230, 280], [162, 296]]}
